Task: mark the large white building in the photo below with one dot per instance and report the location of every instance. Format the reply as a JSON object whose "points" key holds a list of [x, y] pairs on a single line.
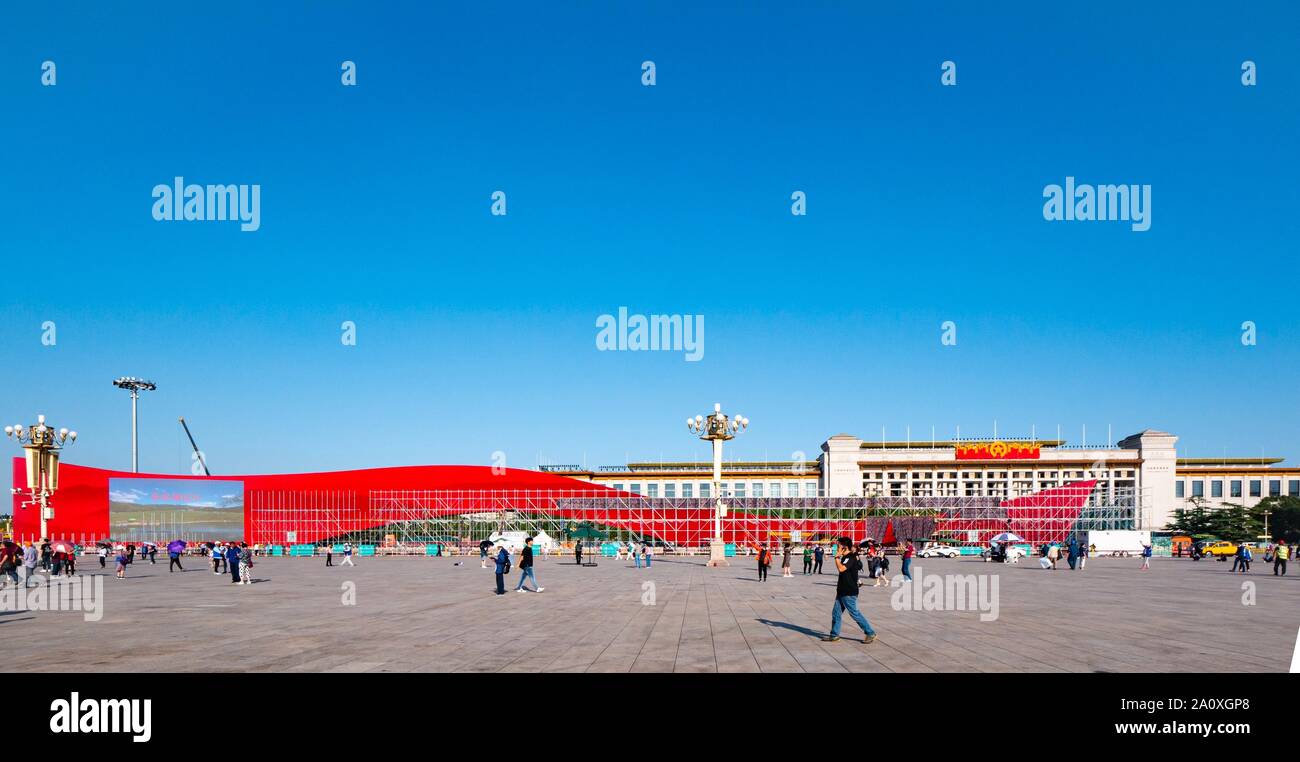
{"points": [[1142, 472]]}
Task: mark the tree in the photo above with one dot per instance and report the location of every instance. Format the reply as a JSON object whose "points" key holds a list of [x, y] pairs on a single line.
{"points": [[1283, 519], [1193, 520]]}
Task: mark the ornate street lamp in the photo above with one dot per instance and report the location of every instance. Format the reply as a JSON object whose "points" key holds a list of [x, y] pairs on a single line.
{"points": [[135, 386], [717, 428], [42, 444]]}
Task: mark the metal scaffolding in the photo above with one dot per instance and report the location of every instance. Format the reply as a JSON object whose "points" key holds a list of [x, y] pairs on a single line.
{"points": [[462, 518]]}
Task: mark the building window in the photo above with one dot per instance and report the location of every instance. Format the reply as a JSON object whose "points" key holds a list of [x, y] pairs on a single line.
{"points": [[618, 487], [740, 489], [654, 489], [1179, 489], [1198, 488], [636, 489], [1235, 488], [1293, 488], [1216, 488], [757, 489], [688, 490], [670, 490], [1254, 487], [705, 488], [1274, 487], [792, 490], [810, 489]]}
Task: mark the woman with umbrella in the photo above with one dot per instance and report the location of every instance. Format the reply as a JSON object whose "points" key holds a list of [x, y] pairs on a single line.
{"points": [[1000, 543], [174, 550]]}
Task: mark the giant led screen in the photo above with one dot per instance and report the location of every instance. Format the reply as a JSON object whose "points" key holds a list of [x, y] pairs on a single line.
{"points": [[162, 510]]}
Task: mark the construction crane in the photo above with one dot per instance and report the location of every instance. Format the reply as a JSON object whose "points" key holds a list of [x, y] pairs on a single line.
{"points": [[197, 455]]}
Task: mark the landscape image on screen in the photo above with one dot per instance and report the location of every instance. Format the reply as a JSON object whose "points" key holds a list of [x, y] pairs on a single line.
{"points": [[162, 510]]}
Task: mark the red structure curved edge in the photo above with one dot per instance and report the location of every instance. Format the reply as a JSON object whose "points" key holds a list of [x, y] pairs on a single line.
{"points": [[81, 502]]}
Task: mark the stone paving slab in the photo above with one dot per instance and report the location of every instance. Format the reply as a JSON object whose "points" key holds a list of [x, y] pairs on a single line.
{"points": [[427, 614]]}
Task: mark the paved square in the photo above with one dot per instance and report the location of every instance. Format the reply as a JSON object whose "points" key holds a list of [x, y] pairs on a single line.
{"points": [[426, 614]]}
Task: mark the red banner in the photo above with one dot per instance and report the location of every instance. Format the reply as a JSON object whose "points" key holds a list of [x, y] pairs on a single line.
{"points": [[999, 451]]}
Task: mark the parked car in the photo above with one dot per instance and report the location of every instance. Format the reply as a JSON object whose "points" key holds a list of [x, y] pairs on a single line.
{"points": [[939, 550]]}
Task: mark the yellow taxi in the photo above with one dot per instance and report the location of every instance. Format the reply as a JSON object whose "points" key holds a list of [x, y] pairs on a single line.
{"points": [[1220, 548]]}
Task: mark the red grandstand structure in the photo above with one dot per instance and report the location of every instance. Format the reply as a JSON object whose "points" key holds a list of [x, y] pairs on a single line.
{"points": [[460, 505]]}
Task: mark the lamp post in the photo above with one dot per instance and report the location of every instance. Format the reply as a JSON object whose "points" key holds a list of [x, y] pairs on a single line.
{"points": [[717, 428], [42, 444], [135, 386]]}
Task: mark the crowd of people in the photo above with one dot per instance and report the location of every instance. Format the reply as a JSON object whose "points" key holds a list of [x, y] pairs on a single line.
{"points": [[814, 556]]}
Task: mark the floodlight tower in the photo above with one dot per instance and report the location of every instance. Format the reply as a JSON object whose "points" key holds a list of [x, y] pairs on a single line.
{"points": [[135, 386], [42, 444], [717, 428]]}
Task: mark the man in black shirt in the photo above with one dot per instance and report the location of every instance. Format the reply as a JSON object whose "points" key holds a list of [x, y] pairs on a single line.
{"points": [[526, 568], [846, 592]]}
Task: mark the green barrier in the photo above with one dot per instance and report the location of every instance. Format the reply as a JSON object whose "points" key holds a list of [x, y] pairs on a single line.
{"points": [[366, 550], [338, 547], [431, 550], [730, 549], [302, 550], [609, 549], [275, 550]]}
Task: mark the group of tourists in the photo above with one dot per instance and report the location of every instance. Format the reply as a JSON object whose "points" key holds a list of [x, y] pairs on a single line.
{"points": [[814, 555], [640, 553], [236, 558], [503, 562], [1076, 554]]}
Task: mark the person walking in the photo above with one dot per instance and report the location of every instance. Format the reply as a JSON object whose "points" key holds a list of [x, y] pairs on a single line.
{"points": [[526, 568], [764, 560], [1072, 552], [1083, 555], [1280, 556], [122, 560], [1054, 554], [882, 567], [232, 562], [577, 553], [30, 559], [1246, 558], [102, 552], [807, 559], [245, 564], [502, 568], [846, 593], [648, 551], [130, 553], [173, 559], [347, 555], [329, 554], [46, 553], [153, 553], [11, 557], [483, 547], [635, 553], [818, 554], [785, 561], [908, 552], [1237, 557], [1146, 558], [214, 550]]}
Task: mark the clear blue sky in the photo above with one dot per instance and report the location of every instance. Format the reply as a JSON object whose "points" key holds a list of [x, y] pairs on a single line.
{"points": [[476, 333]]}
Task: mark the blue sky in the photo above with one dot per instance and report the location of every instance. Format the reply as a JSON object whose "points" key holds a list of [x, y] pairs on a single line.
{"points": [[475, 333]]}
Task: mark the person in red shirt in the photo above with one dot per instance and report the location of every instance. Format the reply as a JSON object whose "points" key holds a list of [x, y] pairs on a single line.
{"points": [[908, 552]]}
